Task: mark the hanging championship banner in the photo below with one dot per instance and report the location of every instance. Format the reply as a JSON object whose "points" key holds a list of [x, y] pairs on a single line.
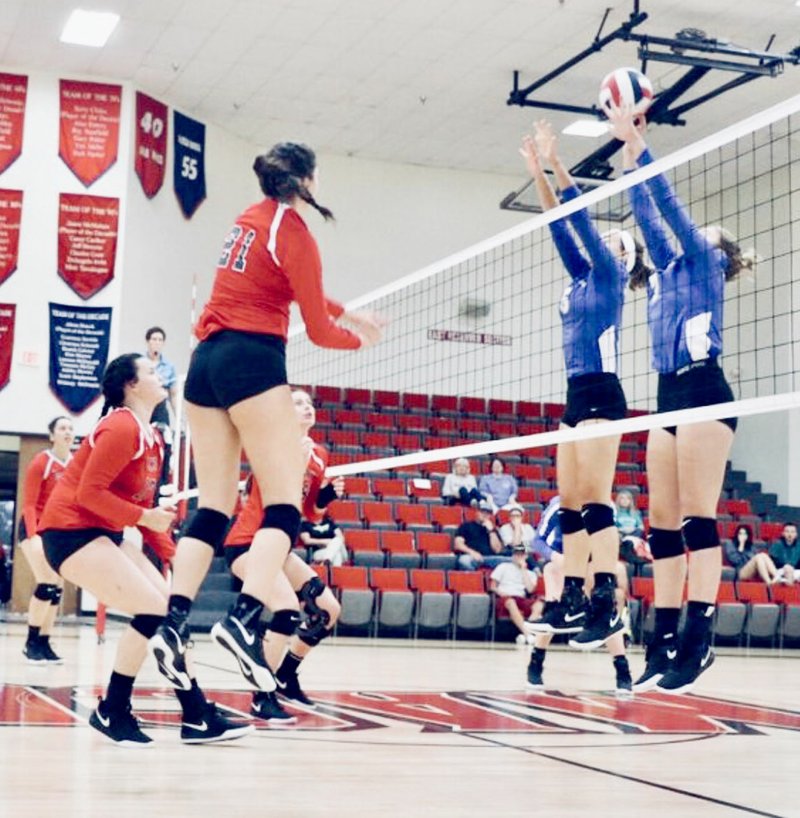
{"points": [[13, 91], [89, 128], [87, 241], [7, 315], [79, 338], [189, 175], [151, 143], [10, 216]]}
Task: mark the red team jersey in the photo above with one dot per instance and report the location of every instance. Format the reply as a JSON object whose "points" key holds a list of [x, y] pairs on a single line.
{"points": [[269, 260], [111, 479], [249, 519], [41, 477]]}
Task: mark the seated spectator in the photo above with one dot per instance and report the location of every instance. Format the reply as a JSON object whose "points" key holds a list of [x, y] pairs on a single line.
{"points": [[633, 547], [460, 486], [327, 540], [499, 487], [514, 585], [516, 532], [785, 553], [477, 542], [742, 555]]}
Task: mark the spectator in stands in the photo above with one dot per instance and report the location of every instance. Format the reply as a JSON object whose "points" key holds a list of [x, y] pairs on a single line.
{"points": [[478, 543], [633, 547], [499, 487], [785, 553], [517, 532], [326, 539], [741, 553], [460, 486], [162, 416], [514, 585]]}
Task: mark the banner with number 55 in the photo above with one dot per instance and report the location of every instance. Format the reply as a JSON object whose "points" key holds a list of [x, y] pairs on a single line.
{"points": [[151, 143], [189, 175]]}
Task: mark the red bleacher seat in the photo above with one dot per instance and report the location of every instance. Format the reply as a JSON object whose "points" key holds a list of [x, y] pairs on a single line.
{"points": [[349, 577], [529, 409], [361, 539], [398, 542], [430, 543], [436, 467], [413, 516], [413, 402], [406, 442], [466, 582], [424, 489], [321, 570], [472, 406], [387, 487], [527, 494], [501, 408], [376, 440], [389, 579], [378, 514], [726, 592], [354, 396], [413, 423], [324, 416], [553, 411], [786, 594], [357, 487], [502, 428], [642, 588], [752, 592], [386, 399], [428, 581], [529, 471], [375, 420], [328, 394], [444, 403], [344, 437], [447, 516], [348, 417], [440, 425], [474, 426], [345, 511], [771, 531]]}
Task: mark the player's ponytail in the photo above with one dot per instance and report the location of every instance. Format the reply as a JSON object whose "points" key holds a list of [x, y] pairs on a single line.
{"points": [[281, 173], [637, 278], [738, 259], [119, 373]]}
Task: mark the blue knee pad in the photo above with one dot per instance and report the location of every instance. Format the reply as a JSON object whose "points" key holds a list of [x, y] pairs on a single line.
{"points": [[665, 543], [208, 526], [284, 517], [597, 517], [570, 521], [700, 533]]}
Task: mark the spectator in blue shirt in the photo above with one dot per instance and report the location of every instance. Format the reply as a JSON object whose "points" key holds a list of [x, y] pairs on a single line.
{"points": [[499, 487]]}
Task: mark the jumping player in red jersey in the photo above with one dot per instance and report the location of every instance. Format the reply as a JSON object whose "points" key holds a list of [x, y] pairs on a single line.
{"points": [[237, 397], [43, 472], [298, 581], [108, 485]]}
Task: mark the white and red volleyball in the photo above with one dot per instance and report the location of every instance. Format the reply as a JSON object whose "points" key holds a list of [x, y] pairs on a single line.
{"points": [[626, 87]]}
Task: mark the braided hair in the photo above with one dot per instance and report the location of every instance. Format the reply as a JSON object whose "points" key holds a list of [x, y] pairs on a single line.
{"points": [[281, 172], [119, 373]]}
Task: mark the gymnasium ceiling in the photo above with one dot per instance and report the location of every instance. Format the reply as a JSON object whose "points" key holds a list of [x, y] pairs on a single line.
{"points": [[411, 81]]}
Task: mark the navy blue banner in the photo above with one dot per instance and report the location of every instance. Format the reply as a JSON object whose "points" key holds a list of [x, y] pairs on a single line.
{"points": [[79, 339], [189, 173]]}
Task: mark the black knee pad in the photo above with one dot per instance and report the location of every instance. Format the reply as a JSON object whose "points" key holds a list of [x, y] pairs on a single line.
{"points": [[314, 630], [597, 517], [665, 543], [284, 621], [570, 520], [55, 595], [700, 533], [285, 518], [208, 526], [308, 594], [44, 591], [146, 624]]}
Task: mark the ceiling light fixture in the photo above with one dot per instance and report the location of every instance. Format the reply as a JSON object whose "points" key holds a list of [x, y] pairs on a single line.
{"points": [[586, 127], [92, 28]]}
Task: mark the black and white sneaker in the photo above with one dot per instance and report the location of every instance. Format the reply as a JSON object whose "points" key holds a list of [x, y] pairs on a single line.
{"points": [[267, 707], [289, 688], [624, 684], [121, 728], [535, 680], [567, 615], [601, 624], [34, 653], [214, 727], [248, 649], [685, 670], [50, 656], [169, 645], [658, 661]]}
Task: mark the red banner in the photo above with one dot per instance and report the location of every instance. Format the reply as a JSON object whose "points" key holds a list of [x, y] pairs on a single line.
{"points": [[13, 91], [7, 313], [89, 128], [151, 143], [87, 241], [10, 217]]}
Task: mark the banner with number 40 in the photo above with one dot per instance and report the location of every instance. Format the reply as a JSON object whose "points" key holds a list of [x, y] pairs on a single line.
{"points": [[151, 143]]}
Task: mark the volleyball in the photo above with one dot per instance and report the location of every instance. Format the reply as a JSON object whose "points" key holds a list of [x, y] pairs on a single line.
{"points": [[626, 87]]}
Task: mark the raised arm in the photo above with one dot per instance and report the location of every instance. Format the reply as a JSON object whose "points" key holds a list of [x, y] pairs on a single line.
{"points": [[576, 264]]}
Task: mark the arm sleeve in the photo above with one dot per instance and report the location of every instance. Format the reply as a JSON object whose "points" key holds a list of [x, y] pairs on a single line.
{"points": [[114, 448], [577, 266], [30, 493], [674, 212], [604, 263], [646, 215], [303, 267]]}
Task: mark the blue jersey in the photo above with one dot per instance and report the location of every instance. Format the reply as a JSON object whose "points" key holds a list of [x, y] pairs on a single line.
{"points": [[685, 293], [591, 306], [548, 532]]}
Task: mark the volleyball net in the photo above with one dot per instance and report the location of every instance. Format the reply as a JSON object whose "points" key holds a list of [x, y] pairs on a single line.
{"points": [[485, 322]]}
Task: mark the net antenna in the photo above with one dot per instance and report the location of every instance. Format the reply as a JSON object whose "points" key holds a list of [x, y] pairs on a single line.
{"points": [[689, 47]]}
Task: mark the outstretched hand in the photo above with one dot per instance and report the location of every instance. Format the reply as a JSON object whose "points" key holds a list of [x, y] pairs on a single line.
{"points": [[546, 140], [368, 326], [531, 156], [623, 124]]}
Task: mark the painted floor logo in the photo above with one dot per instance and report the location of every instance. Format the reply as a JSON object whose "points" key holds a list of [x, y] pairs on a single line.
{"points": [[552, 712]]}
